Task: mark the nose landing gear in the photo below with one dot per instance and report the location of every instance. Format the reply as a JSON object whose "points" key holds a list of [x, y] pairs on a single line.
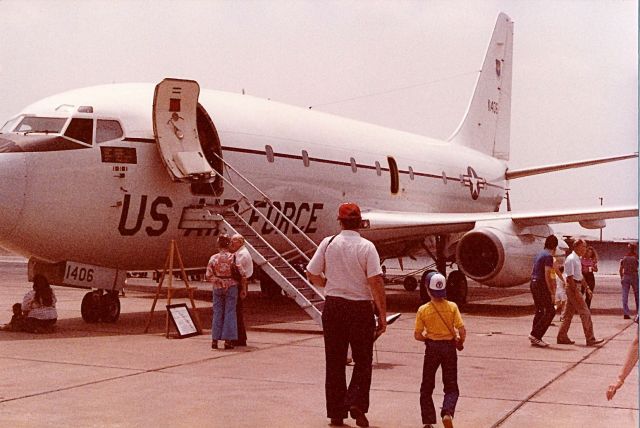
{"points": [[100, 305]]}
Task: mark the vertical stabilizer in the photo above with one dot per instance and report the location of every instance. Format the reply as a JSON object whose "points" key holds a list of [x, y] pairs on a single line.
{"points": [[486, 125]]}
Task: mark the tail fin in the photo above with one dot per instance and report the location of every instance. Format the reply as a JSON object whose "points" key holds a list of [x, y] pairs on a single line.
{"points": [[486, 125]]}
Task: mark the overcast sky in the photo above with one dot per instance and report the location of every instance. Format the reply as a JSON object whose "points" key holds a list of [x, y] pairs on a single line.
{"points": [[575, 77]]}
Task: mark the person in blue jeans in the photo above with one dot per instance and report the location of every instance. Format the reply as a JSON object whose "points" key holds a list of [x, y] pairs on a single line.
{"points": [[629, 279], [436, 325], [229, 283], [543, 289]]}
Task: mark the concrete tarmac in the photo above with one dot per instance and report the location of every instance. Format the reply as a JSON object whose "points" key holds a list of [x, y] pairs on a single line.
{"points": [[114, 375]]}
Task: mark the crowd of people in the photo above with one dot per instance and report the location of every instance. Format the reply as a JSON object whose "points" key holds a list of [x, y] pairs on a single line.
{"points": [[569, 289]]}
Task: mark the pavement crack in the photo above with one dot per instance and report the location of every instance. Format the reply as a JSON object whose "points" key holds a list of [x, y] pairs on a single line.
{"points": [[553, 380]]}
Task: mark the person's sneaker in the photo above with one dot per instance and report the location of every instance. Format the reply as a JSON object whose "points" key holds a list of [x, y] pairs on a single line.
{"points": [[566, 341], [627, 317], [337, 422], [359, 416], [228, 344], [537, 342], [595, 342], [447, 421], [214, 344], [427, 426]]}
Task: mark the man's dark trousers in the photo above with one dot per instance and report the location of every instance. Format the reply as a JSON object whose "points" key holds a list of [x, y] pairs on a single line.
{"points": [[347, 322], [545, 311], [439, 353], [242, 332]]}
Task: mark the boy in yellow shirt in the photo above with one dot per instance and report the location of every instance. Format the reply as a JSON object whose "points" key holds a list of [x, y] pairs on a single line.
{"points": [[436, 323]]}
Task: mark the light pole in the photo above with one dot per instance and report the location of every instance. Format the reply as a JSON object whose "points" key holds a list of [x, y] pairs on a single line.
{"points": [[601, 198]]}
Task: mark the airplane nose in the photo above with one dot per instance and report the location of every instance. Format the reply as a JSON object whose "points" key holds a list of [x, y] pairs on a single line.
{"points": [[13, 183]]}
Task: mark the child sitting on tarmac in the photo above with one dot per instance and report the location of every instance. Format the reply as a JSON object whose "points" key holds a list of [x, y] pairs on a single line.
{"points": [[17, 320], [436, 323]]}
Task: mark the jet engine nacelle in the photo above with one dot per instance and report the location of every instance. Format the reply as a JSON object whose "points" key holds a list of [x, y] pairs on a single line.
{"points": [[500, 254]]}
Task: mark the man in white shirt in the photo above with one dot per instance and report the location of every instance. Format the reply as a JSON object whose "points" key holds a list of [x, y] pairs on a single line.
{"points": [[354, 285], [243, 258], [575, 301]]}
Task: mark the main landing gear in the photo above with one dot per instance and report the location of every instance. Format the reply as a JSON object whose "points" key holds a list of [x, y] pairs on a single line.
{"points": [[100, 305], [410, 283], [457, 288]]}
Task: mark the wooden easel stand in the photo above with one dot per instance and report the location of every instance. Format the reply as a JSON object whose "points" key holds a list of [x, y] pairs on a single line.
{"points": [[168, 269]]}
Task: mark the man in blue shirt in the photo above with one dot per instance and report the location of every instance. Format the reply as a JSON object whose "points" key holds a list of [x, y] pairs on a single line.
{"points": [[542, 289]]}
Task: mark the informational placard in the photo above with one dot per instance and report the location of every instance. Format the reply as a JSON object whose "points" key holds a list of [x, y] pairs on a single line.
{"points": [[181, 317], [118, 154]]}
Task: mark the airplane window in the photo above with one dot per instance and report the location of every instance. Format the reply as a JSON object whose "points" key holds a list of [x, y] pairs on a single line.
{"points": [[11, 123], [378, 169], [305, 158], [44, 125], [354, 167], [269, 150], [411, 173], [81, 130], [395, 178], [107, 130]]}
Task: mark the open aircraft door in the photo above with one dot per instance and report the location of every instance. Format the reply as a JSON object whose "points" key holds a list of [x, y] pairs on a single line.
{"points": [[175, 128]]}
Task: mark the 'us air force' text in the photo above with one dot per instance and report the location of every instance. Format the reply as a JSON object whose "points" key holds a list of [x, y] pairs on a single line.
{"points": [[154, 220]]}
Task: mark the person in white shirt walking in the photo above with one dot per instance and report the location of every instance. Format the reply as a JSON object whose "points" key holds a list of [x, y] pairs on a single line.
{"points": [[575, 301], [354, 286]]}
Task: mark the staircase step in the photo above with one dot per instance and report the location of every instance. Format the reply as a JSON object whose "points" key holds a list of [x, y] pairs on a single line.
{"points": [[290, 280]]}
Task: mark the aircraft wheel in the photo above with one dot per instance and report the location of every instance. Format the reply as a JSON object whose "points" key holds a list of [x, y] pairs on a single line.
{"points": [[410, 283], [110, 307], [91, 307], [424, 295], [457, 287]]}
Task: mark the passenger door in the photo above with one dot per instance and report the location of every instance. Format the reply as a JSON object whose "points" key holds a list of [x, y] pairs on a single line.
{"points": [[175, 129]]}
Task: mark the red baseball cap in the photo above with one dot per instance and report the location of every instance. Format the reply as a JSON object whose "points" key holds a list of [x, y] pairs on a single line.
{"points": [[349, 210]]}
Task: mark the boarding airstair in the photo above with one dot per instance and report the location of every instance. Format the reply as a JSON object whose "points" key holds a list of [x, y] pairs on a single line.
{"points": [[278, 266]]}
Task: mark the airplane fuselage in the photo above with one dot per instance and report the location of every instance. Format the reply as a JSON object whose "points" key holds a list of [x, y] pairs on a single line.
{"points": [[115, 204]]}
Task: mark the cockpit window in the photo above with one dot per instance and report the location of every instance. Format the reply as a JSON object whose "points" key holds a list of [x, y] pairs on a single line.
{"points": [[107, 130], [80, 129], [11, 123], [46, 125]]}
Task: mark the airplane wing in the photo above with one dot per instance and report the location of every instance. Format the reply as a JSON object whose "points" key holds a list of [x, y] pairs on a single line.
{"points": [[397, 225], [526, 172]]}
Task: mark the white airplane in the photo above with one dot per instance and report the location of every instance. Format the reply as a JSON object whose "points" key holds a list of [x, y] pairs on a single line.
{"points": [[97, 181]]}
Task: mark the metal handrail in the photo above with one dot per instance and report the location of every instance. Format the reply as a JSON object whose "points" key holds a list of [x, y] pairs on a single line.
{"points": [[266, 199], [280, 257], [266, 219]]}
